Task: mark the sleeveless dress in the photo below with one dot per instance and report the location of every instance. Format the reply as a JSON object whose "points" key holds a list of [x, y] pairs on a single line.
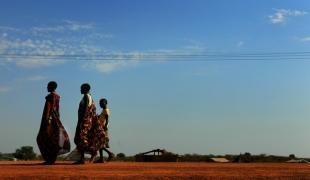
{"points": [[87, 130], [103, 126]]}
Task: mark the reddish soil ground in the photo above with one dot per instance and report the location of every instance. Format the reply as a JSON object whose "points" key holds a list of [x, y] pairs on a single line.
{"points": [[134, 170]]}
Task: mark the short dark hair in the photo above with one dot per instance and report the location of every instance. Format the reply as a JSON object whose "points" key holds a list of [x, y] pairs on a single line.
{"points": [[103, 101], [85, 87], [52, 85]]}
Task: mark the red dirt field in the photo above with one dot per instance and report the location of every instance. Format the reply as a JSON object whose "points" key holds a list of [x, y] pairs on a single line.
{"points": [[135, 170]]}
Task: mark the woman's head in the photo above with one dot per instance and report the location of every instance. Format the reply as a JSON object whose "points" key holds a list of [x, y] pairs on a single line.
{"points": [[103, 103], [51, 86], [85, 88]]}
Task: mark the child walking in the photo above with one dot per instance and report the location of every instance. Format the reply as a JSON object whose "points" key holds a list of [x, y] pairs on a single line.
{"points": [[104, 118]]}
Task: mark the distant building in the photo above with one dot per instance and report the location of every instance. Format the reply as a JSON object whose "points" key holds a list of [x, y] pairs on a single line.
{"points": [[4, 158], [156, 155], [219, 160], [297, 161]]}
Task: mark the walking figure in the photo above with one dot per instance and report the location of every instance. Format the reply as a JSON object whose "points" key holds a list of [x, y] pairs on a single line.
{"points": [[103, 120], [52, 138]]}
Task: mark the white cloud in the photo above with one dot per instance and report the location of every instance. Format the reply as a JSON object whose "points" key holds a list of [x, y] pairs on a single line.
{"points": [[76, 26], [7, 28], [3, 46], [194, 45], [66, 26], [280, 16], [305, 39], [108, 67], [36, 78], [31, 52], [240, 44], [35, 62], [101, 35], [113, 61], [4, 89], [48, 29], [43, 46]]}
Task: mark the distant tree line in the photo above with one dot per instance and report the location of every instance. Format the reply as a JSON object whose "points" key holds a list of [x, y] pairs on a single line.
{"points": [[27, 153], [241, 158]]}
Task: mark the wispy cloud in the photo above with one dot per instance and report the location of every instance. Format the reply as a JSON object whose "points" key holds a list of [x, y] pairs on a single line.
{"points": [[43, 46], [240, 44], [305, 39], [36, 78], [30, 53], [66, 26], [68, 41], [36, 63], [194, 45], [4, 89], [7, 28], [76, 26], [114, 61], [110, 66], [280, 16]]}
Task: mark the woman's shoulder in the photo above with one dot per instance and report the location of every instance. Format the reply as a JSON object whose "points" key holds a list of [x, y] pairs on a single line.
{"points": [[52, 96], [87, 99]]}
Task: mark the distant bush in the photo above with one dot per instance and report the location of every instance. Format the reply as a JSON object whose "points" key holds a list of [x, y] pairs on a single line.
{"points": [[123, 157], [120, 155], [195, 158], [25, 153], [292, 156]]}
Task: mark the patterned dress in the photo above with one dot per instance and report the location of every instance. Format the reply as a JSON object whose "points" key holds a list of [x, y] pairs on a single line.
{"points": [[86, 133], [52, 138], [103, 123]]}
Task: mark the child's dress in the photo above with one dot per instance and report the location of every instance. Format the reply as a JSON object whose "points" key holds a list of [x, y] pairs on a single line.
{"points": [[104, 124]]}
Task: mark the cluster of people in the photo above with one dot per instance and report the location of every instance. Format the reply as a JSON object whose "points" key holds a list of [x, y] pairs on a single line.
{"points": [[91, 133]]}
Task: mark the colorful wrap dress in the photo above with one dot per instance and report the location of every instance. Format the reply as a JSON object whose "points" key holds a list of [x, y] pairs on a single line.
{"points": [[87, 130], [103, 124], [52, 138]]}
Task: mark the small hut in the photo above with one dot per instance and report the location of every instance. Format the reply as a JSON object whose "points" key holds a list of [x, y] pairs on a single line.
{"points": [[219, 160], [156, 155]]}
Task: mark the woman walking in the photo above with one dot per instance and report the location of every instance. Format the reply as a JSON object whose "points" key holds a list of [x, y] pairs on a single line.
{"points": [[86, 127], [52, 138]]}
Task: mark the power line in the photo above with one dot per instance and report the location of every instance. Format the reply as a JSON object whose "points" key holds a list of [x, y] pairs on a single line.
{"points": [[254, 56]]}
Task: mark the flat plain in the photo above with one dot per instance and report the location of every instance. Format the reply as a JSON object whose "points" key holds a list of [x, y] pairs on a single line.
{"points": [[137, 170]]}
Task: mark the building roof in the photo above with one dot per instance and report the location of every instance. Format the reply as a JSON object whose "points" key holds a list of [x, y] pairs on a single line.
{"points": [[221, 160]]}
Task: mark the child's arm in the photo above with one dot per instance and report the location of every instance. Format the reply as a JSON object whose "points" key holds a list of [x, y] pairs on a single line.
{"points": [[106, 122]]}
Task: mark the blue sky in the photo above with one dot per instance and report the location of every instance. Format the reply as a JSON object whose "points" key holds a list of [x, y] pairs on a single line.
{"points": [[223, 103]]}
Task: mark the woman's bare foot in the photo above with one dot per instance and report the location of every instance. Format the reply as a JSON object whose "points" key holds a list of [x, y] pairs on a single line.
{"points": [[111, 156], [79, 162], [100, 160]]}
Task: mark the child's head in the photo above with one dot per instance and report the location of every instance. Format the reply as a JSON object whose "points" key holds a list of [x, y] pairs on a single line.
{"points": [[103, 103], [51, 86]]}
